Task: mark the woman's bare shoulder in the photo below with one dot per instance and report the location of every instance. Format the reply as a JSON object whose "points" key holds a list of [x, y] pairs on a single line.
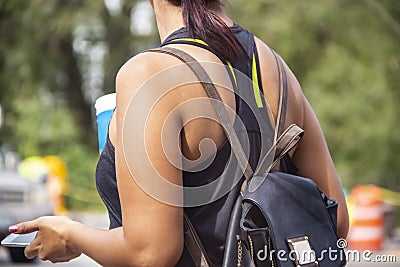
{"points": [[141, 67]]}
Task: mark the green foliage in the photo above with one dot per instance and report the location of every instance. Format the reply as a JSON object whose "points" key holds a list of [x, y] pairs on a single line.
{"points": [[346, 55], [81, 193]]}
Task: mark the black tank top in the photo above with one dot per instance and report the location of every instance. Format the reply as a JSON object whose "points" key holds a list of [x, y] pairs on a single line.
{"points": [[210, 220]]}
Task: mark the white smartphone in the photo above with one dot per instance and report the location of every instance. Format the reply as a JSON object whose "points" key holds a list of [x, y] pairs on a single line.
{"points": [[17, 240]]}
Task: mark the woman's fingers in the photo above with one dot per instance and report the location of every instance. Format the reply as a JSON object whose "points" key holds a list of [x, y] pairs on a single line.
{"points": [[25, 227], [33, 249]]}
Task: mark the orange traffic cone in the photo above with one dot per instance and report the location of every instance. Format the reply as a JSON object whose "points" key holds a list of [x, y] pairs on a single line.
{"points": [[366, 231]]}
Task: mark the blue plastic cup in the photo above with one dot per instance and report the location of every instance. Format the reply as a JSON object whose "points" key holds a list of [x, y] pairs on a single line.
{"points": [[104, 106]]}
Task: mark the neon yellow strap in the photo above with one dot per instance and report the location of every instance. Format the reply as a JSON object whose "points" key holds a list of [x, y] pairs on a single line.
{"points": [[191, 40], [233, 72], [256, 88]]}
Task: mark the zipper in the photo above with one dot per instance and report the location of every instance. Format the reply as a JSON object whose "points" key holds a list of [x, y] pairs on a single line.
{"points": [[251, 248]]}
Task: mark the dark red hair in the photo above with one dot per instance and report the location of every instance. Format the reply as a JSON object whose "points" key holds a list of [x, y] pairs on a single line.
{"points": [[204, 24]]}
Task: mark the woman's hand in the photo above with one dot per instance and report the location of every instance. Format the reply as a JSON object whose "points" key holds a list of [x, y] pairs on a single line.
{"points": [[51, 242]]}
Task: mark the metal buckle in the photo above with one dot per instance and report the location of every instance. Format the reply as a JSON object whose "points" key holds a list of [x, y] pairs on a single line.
{"points": [[302, 252]]}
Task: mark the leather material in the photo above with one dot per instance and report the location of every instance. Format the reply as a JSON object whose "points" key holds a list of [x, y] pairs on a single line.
{"points": [[286, 142], [231, 245], [283, 96], [293, 206], [194, 245]]}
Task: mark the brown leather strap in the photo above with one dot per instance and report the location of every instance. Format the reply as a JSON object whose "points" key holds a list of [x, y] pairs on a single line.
{"points": [[288, 140], [194, 245], [283, 95], [282, 110]]}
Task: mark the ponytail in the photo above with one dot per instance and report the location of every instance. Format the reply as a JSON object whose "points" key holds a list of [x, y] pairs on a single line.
{"points": [[203, 24]]}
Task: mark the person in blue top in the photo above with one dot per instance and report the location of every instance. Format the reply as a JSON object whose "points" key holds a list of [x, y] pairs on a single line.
{"points": [[146, 220]]}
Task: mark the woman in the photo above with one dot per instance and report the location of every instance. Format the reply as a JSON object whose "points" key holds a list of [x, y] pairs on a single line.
{"points": [[152, 230]]}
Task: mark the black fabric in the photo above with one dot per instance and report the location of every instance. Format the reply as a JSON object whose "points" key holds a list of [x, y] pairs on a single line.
{"points": [[211, 220], [106, 184]]}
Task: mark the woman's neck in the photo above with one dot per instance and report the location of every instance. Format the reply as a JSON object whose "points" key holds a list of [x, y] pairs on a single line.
{"points": [[169, 18]]}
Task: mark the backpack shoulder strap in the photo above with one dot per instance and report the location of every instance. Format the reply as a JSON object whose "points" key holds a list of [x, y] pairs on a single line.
{"points": [[283, 95], [194, 245]]}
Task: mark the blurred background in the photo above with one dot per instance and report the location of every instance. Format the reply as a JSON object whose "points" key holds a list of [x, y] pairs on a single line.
{"points": [[57, 57]]}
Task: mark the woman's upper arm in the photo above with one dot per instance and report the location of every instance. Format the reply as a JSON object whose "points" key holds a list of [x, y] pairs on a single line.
{"points": [[151, 226]]}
